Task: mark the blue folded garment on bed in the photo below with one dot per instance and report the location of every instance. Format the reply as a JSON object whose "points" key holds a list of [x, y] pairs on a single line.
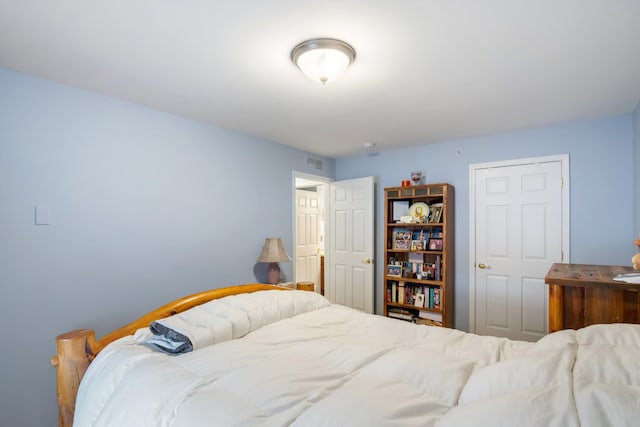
{"points": [[168, 340]]}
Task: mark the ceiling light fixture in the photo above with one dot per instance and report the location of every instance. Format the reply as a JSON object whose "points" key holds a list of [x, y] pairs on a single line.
{"points": [[323, 59]]}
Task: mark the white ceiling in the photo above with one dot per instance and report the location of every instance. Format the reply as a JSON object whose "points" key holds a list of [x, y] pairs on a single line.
{"points": [[425, 71]]}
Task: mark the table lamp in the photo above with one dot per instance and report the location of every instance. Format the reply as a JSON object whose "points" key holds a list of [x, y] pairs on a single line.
{"points": [[273, 252]]}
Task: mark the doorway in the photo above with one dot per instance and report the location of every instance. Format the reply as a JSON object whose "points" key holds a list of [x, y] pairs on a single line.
{"points": [[341, 231], [519, 226], [309, 232], [309, 204]]}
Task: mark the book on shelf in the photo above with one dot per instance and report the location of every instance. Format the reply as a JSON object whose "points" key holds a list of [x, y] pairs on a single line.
{"points": [[416, 257], [401, 292], [430, 315]]}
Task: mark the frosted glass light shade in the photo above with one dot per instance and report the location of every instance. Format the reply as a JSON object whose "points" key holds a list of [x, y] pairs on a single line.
{"points": [[323, 60]]}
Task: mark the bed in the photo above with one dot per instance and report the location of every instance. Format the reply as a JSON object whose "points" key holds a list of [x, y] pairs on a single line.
{"points": [[261, 356]]}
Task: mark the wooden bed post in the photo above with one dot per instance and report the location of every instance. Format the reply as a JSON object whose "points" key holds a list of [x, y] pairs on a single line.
{"points": [[75, 351]]}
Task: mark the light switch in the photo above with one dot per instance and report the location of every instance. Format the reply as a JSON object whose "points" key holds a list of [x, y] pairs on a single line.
{"points": [[43, 215]]}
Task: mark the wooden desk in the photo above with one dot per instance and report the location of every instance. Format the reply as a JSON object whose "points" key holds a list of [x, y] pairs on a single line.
{"points": [[582, 295]]}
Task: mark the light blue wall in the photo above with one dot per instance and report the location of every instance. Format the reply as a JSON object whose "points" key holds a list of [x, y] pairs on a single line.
{"points": [[148, 206], [145, 207], [601, 167], [636, 161]]}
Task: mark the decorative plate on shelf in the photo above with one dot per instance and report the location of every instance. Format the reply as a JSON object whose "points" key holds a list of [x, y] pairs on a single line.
{"points": [[418, 211]]}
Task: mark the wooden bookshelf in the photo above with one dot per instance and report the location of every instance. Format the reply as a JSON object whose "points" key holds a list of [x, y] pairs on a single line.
{"points": [[418, 253]]}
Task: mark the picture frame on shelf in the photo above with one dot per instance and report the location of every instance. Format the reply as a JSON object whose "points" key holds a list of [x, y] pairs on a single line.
{"points": [[402, 240], [435, 244], [419, 300], [436, 214], [418, 245], [400, 209], [394, 270]]}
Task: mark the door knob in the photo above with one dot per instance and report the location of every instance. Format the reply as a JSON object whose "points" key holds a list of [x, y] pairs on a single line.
{"points": [[483, 266], [367, 261]]}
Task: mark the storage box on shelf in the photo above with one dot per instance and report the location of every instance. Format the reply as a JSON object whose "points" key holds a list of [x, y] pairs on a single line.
{"points": [[418, 253]]}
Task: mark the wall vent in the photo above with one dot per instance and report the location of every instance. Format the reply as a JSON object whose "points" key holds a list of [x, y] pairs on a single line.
{"points": [[314, 163]]}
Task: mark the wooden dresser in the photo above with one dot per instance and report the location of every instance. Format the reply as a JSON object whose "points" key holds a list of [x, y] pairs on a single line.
{"points": [[582, 295]]}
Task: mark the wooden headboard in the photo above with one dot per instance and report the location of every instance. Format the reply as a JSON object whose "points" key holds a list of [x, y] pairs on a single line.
{"points": [[76, 349]]}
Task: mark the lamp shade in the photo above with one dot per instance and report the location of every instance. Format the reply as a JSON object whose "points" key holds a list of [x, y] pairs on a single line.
{"points": [[323, 60], [273, 251]]}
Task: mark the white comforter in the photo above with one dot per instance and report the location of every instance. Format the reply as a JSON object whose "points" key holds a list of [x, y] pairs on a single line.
{"points": [[334, 366]]}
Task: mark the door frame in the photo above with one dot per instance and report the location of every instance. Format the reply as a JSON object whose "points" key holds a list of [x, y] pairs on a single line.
{"points": [[565, 209], [322, 180]]}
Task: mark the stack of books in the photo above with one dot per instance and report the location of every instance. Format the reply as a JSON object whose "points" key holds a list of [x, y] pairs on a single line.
{"points": [[399, 313]]}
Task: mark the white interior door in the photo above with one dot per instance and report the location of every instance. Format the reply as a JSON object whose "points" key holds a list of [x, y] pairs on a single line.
{"points": [[308, 236], [351, 237], [518, 235]]}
